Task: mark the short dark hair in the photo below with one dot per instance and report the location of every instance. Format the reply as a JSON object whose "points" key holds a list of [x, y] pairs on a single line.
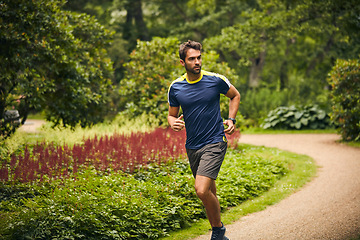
{"points": [[184, 47]]}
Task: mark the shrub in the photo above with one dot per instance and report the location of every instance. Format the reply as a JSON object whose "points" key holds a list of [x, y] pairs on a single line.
{"points": [[124, 152], [258, 102], [345, 82], [118, 152], [309, 117], [145, 204]]}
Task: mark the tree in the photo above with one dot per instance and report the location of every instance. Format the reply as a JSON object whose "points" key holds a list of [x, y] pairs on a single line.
{"points": [[55, 61], [302, 36], [192, 19]]}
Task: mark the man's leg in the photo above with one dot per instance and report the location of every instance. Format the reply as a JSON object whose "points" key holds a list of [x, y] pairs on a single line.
{"points": [[206, 190]]}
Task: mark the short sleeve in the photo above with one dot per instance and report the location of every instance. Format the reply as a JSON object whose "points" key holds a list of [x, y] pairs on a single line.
{"points": [[173, 102], [224, 84]]}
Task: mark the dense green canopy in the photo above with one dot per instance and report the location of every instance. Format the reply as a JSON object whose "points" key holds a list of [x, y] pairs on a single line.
{"points": [[55, 58]]}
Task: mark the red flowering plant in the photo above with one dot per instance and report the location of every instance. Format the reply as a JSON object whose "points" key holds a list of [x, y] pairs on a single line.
{"points": [[118, 152]]}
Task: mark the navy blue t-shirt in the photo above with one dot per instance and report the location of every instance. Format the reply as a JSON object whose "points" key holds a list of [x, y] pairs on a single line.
{"points": [[200, 102]]}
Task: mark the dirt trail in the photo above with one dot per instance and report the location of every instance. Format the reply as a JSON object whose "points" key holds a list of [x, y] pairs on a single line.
{"points": [[326, 208], [31, 125]]}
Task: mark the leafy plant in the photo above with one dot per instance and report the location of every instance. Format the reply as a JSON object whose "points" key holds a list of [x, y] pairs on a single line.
{"points": [[107, 153], [345, 94], [257, 104], [309, 117], [117, 152], [145, 204]]}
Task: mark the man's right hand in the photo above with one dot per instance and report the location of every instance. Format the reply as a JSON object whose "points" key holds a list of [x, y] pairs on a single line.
{"points": [[178, 124]]}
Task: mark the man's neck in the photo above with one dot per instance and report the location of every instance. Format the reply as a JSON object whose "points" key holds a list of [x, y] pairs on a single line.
{"points": [[192, 77]]}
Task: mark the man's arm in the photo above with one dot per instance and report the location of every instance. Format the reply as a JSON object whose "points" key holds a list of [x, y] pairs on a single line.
{"points": [[234, 96], [175, 122]]}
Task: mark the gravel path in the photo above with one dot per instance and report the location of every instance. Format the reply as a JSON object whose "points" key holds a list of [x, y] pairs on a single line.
{"points": [[326, 208]]}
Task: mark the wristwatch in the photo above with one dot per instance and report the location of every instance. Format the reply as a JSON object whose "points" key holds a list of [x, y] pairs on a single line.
{"points": [[232, 119]]}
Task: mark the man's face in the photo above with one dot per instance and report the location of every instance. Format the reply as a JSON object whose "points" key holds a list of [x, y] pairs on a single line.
{"points": [[192, 61]]}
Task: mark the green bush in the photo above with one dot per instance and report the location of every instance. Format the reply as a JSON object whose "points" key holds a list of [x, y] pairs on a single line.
{"points": [[309, 117], [345, 82], [258, 102], [144, 205]]}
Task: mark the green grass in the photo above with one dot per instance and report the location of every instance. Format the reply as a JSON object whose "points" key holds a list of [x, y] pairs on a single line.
{"points": [[258, 130], [351, 144], [60, 135], [37, 116], [303, 170]]}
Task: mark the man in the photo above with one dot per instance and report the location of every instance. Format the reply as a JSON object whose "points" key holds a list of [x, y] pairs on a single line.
{"points": [[198, 94]]}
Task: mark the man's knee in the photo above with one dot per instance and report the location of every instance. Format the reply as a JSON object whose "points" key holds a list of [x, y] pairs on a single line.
{"points": [[204, 187], [202, 192]]}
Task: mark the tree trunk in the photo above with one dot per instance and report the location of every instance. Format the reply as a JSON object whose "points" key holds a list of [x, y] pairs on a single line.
{"points": [[135, 27], [284, 78], [256, 70], [142, 30]]}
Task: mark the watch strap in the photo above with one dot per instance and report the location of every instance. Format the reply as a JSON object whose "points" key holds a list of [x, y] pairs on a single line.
{"points": [[232, 119]]}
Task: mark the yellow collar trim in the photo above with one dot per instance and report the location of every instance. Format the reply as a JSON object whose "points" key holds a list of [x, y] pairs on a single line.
{"points": [[195, 81]]}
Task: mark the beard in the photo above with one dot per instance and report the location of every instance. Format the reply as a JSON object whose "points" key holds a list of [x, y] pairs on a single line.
{"points": [[193, 70]]}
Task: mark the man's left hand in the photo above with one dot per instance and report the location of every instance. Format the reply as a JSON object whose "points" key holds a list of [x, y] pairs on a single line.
{"points": [[231, 127]]}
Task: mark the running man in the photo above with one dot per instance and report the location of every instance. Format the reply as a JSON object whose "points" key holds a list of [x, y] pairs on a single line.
{"points": [[197, 92]]}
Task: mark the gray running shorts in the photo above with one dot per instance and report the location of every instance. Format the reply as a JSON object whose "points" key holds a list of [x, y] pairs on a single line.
{"points": [[207, 160]]}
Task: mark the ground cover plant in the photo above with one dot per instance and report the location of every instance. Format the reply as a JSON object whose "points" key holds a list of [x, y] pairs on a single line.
{"points": [[107, 153], [117, 152], [146, 203], [308, 117]]}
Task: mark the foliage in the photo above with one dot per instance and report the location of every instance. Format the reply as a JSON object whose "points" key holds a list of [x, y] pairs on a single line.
{"points": [[258, 102], [309, 117], [117, 152], [144, 205], [61, 135], [345, 82], [192, 19], [276, 43], [53, 60], [277, 39], [153, 66], [106, 153], [244, 178]]}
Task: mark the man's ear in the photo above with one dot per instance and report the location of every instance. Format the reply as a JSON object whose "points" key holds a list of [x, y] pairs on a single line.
{"points": [[182, 62]]}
